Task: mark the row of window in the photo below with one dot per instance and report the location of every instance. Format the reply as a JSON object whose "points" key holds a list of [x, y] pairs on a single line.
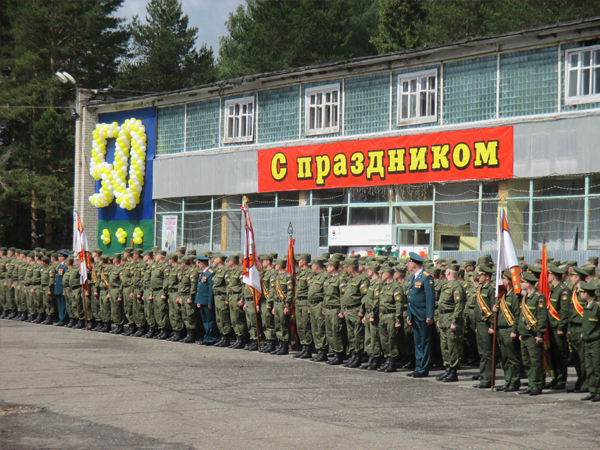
{"points": [[565, 213], [417, 99]]}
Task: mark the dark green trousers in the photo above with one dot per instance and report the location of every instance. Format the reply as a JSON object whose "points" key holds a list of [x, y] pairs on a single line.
{"points": [[450, 341], [511, 358], [333, 328], [303, 322], [317, 326], [592, 365], [578, 349], [533, 361], [484, 346]]}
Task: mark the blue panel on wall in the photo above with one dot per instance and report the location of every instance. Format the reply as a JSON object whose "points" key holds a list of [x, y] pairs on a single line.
{"points": [[145, 209]]}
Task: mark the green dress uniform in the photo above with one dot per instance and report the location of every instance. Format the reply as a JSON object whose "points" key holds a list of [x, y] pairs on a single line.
{"points": [[576, 309], [22, 287], [352, 293], [284, 284], [3, 264], [508, 314], [532, 324], [470, 323], [171, 287], [27, 287], [36, 286], [370, 310], [302, 307], [591, 335], [483, 319], [451, 305], [316, 295], [234, 295], [560, 297], [334, 325], [221, 309], [47, 279]]}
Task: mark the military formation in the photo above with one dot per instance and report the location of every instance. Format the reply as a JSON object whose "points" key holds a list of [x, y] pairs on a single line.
{"points": [[361, 312]]}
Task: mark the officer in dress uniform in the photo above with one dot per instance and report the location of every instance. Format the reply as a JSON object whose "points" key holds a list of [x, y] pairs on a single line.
{"points": [[421, 306], [58, 288], [205, 300]]}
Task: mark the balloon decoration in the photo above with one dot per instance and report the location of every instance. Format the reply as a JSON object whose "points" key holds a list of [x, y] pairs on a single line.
{"points": [[121, 235], [105, 237], [131, 142], [138, 235]]}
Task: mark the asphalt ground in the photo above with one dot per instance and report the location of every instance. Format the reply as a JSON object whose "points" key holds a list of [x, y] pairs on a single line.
{"points": [[73, 389]]}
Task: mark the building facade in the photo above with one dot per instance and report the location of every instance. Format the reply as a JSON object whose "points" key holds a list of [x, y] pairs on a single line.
{"points": [[430, 143]]}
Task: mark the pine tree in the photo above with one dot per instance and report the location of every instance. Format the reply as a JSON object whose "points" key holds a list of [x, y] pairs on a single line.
{"points": [[37, 130], [162, 55]]}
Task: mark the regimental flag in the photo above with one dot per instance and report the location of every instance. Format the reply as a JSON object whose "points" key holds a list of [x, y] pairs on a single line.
{"points": [[251, 273], [544, 289], [507, 257], [81, 247], [290, 268]]}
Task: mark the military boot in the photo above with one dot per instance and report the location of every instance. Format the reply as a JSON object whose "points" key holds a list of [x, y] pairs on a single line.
{"points": [[24, 317], [11, 315], [159, 335], [177, 336], [284, 349], [80, 324], [452, 376], [357, 361], [351, 360], [441, 376], [238, 344], [338, 358], [391, 367], [368, 363], [191, 337], [130, 330], [98, 326], [139, 333], [383, 366], [45, 322], [40, 318], [308, 353], [107, 327], [276, 349], [253, 346], [32, 318], [90, 325], [150, 333], [301, 352], [118, 330], [71, 323]]}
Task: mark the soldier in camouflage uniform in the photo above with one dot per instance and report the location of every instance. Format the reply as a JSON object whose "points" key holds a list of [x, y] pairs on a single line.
{"points": [[146, 273], [316, 294], [267, 302], [158, 298], [188, 286], [138, 292], [235, 301], [173, 274], [334, 319], [116, 294], [390, 318], [48, 273], [370, 310], [354, 289], [221, 305]]}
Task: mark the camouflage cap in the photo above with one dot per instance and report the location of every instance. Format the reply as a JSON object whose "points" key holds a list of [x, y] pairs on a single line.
{"points": [[69, 260], [233, 258], [187, 260], [352, 263], [149, 253], [593, 259], [46, 260], [274, 255], [98, 251], [161, 252], [128, 250], [173, 257], [334, 262], [155, 249], [191, 252], [454, 267], [138, 251], [280, 262], [485, 270], [325, 255], [373, 266], [305, 256]]}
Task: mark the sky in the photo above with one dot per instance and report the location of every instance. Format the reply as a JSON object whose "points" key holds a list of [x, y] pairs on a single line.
{"points": [[208, 15]]}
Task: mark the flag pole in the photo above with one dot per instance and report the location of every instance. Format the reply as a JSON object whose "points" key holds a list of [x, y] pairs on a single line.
{"points": [[84, 306]]}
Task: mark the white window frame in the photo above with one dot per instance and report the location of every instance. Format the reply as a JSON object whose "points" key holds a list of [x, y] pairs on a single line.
{"points": [[416, 77], [248, 116], [323, 90], [594, 66]]}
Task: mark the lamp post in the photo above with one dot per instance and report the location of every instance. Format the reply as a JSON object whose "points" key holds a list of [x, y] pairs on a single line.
{"points": [[66, 78]]}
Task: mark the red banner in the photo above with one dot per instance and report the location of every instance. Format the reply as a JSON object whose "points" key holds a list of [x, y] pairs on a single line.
{"points": [[483, 154]]}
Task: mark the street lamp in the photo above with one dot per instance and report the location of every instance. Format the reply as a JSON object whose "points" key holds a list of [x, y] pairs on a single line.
{"points": [[66, 77]]}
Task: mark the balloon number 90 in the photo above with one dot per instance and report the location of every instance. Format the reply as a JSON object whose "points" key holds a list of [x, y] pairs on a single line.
{"points": [[131, 142]]}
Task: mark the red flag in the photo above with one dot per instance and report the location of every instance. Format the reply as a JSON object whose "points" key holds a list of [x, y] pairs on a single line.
{"points": [[290, 268], [544, 288]]}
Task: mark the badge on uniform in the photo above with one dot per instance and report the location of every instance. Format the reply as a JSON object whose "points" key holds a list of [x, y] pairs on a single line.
{"points": [[417, 284], [203, 279]]}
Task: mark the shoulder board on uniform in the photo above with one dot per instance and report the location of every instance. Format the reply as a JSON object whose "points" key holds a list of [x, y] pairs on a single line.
{"points": [[426, 273], [211, 271]]}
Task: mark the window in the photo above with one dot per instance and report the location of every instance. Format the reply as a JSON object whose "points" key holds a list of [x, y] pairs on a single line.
{"points": [[323, 110], [417, 93], [582, 77], [239, 120]]}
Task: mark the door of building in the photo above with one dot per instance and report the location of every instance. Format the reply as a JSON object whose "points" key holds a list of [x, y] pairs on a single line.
{"points": [[414, 238]]}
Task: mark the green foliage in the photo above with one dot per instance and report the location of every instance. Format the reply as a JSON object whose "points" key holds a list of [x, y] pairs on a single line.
{"points": [[406, 24], [281, 34], [163, 56], [37, 132]]}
